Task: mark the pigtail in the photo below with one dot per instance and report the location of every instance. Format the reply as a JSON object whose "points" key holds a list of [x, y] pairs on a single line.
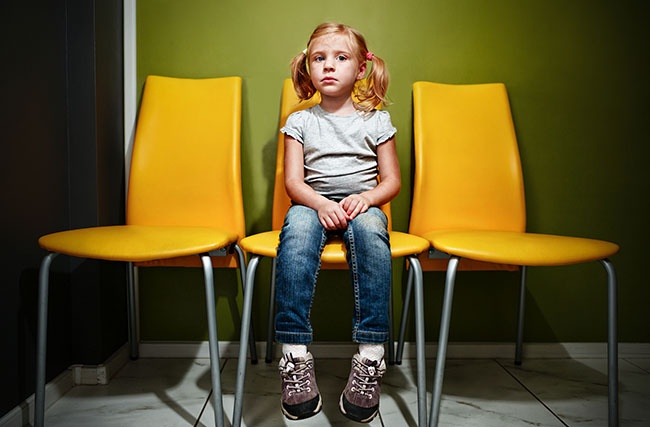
{"points": [[371, 91], [300, 77]]}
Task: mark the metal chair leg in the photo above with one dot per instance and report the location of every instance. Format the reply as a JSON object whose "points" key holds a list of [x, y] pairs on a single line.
{"points": [[520, 317], [405, 312], [245, 327], [241, 262], [213, 341], [271, 316], [420, 356], [391, 329], [131, 302], [41, 340], [612, 344], [442, 341]]}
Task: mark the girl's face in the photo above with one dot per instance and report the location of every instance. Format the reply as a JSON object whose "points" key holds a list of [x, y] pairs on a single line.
{"points": [[333, 67]]}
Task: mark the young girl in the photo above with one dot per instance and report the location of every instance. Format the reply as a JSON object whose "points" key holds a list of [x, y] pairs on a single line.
{"points": [[334, 153]]}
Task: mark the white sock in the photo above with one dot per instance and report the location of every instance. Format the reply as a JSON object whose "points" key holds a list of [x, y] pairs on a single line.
{"points": [[296, 350], [371, 351]]}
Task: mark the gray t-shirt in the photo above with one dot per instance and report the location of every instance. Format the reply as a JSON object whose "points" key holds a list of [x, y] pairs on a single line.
{"points": [[340, 151]]}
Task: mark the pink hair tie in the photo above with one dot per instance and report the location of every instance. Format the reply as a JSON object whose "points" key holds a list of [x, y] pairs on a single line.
{"points": [[369, 56]]}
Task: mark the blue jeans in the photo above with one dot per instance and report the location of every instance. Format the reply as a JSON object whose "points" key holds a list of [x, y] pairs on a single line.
{"points": [[298, 262]]}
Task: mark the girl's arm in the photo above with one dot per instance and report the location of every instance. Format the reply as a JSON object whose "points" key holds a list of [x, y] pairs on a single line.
{"points": [[387, 188], [330, 214]]}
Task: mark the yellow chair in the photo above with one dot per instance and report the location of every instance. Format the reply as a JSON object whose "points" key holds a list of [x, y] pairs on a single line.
{"points": [[333, 257], [468, 202], [184, 200]]}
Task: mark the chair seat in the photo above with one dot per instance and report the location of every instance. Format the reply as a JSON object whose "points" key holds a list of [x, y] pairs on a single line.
{"points": [[528, 249], [404, 244], [133, 243], [266, 244]]}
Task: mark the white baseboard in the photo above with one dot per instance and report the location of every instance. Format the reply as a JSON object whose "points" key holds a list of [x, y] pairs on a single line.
{"points": [[23, 414], [228, 349], [100, 374]]}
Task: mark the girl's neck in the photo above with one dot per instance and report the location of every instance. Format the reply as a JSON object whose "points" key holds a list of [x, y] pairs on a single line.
{"points": [[339, 106]]}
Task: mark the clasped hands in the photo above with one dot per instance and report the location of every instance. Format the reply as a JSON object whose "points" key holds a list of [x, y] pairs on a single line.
{"points": [[335, 216]]}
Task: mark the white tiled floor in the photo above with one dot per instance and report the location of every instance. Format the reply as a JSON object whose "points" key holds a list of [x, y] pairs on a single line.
{"points": [[477, 392]]}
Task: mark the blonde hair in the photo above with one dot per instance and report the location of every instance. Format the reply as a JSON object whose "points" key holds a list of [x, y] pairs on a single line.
{"points": [[367, 93]]}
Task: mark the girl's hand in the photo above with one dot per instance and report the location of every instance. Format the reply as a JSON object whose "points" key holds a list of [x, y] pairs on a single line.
{"points": [[332, 216], [353, 205]]}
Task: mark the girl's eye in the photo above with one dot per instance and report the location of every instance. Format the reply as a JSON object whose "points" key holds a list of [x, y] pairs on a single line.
{"points": [[321, 58]]}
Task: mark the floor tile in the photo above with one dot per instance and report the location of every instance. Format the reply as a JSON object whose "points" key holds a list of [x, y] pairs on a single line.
{"points": [[641, 363], [160, 392], [476, 392], [576, 390], [480, 392]]}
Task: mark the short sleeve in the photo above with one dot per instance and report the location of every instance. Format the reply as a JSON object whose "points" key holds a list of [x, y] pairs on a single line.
{"points": [[295, 125], [385, 128]]}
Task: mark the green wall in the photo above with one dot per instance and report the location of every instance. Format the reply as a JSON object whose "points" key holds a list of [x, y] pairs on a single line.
{"points": [[577, 75]]}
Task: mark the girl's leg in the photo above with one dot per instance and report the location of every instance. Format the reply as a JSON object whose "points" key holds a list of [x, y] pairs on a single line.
{"points": [[298, 261], [297, 264], [369, 259]]}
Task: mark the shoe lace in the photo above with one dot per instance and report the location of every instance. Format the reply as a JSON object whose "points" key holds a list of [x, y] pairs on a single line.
{"points": [[296, 376], [366, 378]]}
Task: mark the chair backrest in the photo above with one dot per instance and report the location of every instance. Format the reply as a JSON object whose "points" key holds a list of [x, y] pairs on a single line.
{"points": [[467, 167], [185, 166], [281, 201]]}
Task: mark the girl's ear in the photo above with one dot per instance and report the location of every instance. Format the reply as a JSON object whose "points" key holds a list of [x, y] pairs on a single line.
{"points": [[362, 71]]}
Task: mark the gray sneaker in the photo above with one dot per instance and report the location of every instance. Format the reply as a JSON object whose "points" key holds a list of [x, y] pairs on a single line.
{"points": [[300, 396], [360, 398]]}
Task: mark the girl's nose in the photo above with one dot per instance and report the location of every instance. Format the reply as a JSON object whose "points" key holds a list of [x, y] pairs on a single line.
{"points": [[329, 64]]}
